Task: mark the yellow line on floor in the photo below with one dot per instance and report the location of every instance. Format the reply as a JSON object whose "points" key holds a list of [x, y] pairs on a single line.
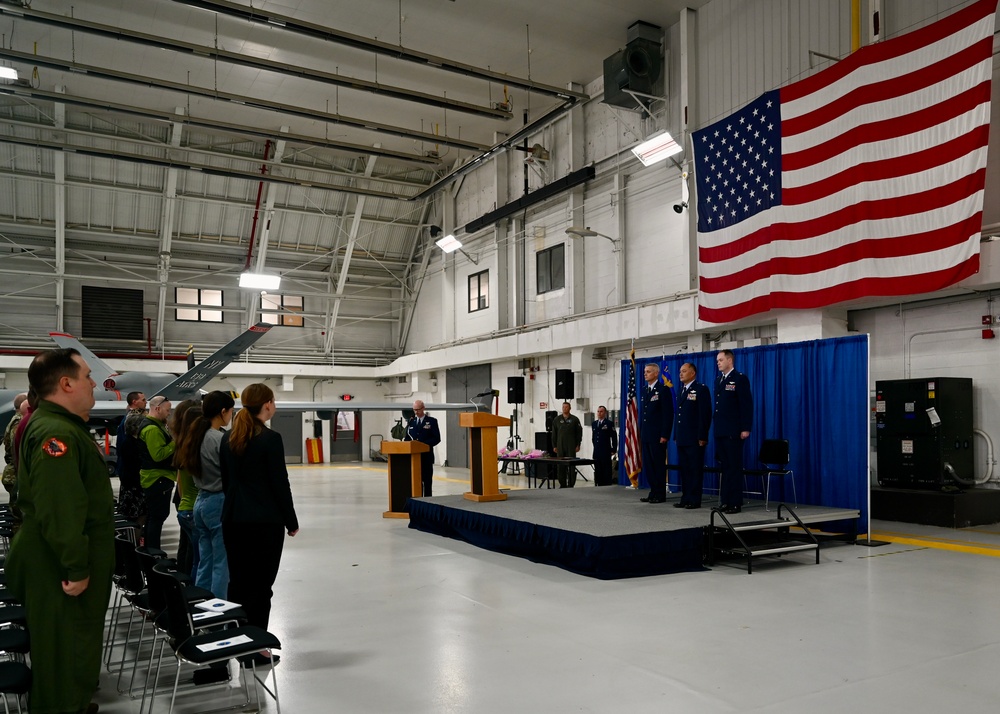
{"points": [[956, 546]]}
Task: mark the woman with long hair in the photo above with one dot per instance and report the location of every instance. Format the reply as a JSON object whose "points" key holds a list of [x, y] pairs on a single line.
{"points": [[200, 456], [258, 510], [184, 414]]}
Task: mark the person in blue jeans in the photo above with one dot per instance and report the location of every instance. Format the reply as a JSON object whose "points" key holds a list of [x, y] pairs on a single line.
{"points": [[200, 456], [186, 413]]}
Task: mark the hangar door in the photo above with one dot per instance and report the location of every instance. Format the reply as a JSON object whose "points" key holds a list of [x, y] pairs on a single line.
{"points": [[464, 383]]}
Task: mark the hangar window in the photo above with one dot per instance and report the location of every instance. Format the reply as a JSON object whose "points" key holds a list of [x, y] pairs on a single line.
{"points": [[550, 269], [195, 300], [479, 291], [279, 309]]}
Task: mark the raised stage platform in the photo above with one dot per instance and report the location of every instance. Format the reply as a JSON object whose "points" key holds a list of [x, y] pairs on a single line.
{"points": [[959, 509], [599, 532]]}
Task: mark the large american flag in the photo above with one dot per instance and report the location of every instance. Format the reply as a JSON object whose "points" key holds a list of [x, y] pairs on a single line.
{"points": [[864, 179], [633, 456]]}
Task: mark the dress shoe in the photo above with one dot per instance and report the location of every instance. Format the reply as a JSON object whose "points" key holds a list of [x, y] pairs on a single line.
{"points": [[732, 509], [691, 506], [680, 505], [92, 708], [652, 499]]}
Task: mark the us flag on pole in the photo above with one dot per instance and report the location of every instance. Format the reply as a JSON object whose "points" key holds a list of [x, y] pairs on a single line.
{"points": [[864, 179], [633, 456]]}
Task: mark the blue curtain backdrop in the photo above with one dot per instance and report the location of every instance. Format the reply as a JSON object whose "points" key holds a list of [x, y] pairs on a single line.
{"points": [[814, 394]]}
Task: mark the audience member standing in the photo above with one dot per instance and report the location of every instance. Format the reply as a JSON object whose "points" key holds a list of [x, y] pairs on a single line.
{"points": [[187, 492], [694, 418], [61, 561], [130, 500], [200, 455], [9, 470], [258, 508], [605, 441], [733, 420], [156, 471]]}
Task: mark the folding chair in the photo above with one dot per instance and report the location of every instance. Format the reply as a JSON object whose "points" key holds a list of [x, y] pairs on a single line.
{"points": [[773, 457], [189, 647]]}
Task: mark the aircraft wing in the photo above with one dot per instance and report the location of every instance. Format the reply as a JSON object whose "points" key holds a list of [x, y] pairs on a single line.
{"points": [[99, 370], [189, 383], [372, 406], [109, 409]]}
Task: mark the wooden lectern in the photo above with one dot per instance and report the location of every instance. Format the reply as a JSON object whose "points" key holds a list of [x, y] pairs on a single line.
{"points": [[483, 454], [404, 474]]}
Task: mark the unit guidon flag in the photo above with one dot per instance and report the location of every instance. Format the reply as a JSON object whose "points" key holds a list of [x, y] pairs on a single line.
{"points": [[864, 179]]}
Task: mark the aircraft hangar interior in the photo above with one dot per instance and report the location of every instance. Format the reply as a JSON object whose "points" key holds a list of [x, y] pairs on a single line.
{"points": [[499, 208]]}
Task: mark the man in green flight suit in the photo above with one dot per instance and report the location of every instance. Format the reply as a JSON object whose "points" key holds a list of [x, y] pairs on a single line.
{"points": [[61, 561], [567, 433]]}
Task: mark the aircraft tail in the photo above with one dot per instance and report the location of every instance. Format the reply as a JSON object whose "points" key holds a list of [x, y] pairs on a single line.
{"points": [[100, 371], [189, 383]]}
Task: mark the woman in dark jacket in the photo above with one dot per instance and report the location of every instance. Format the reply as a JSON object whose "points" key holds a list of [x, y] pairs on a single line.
{"points": [[258, 508]]}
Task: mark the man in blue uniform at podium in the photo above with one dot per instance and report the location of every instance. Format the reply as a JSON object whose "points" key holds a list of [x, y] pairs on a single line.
{"points": [[424, 428]]}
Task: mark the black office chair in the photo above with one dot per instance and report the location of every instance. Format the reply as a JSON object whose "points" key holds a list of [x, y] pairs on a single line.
{"points": [[773, 457]]}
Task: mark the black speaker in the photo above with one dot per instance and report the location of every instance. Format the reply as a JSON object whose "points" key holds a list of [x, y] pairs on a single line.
{"points": [[543, 441], [636, 68], [515, 390], [564, 384], [549, 418]]}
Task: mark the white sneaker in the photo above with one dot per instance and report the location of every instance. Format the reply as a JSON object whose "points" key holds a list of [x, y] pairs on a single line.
{"points": [[630, 487]]}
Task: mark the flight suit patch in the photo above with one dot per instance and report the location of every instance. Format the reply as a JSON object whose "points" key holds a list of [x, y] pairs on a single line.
{"points": [[54, 447]]}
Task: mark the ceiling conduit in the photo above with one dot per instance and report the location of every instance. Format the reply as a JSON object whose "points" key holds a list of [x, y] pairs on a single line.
{"points": [[212, 53], [215, 95]]}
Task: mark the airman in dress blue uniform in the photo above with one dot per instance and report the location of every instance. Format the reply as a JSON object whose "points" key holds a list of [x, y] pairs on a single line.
{"points": [[424, 428], [733, 420], [654, 433], [605, 441], [691, 425]]}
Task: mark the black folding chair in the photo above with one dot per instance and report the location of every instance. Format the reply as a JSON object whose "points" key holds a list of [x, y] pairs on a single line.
{"points": [[190, 647], [774, 458]]}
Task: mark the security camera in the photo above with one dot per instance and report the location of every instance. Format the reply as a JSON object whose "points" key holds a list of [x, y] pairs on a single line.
{"points": [[679, 207]]}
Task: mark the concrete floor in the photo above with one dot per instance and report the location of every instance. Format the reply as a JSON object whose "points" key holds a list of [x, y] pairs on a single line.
{"points": [[376, 617]]}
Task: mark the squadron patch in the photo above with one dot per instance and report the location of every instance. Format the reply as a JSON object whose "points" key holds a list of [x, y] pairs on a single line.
{"points": [[54, 447]]}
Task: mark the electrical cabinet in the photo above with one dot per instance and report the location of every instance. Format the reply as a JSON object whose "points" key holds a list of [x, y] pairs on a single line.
{"points": [[923, 432]]}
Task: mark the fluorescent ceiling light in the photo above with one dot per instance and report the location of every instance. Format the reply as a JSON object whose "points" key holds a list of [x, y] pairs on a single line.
{"points": [[260, 281], [8, 73], [449, 244], [656, 148]]}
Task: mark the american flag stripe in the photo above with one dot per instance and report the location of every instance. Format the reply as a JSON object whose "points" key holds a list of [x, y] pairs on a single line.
{"points": [[864, 179]]}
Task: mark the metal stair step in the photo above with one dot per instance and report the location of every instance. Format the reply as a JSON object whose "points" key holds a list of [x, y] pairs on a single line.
{"points": [[758, 525]]}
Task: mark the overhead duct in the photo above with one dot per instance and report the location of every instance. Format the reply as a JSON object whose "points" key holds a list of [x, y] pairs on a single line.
{"points": [[548, 191], [632, 75]]}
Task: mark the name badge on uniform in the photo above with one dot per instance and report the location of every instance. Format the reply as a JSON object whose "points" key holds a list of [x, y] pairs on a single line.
{"points": [[692, 397], [730, 387]]}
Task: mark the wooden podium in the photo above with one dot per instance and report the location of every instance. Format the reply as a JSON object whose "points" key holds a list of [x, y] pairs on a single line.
{"points": [[483, 454], [404, 474]]}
